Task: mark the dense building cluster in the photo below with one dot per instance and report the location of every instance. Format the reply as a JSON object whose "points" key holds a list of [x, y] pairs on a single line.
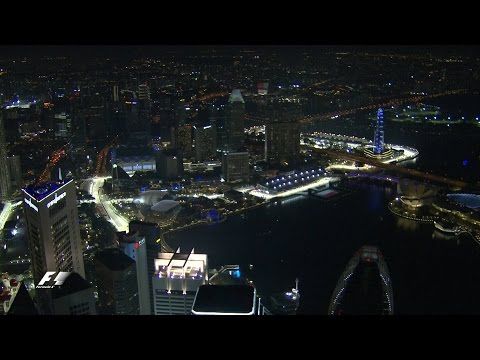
{"points": [[102, 156]]}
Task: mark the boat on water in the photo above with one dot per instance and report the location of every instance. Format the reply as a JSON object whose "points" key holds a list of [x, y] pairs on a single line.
{"points": [[285, 303], [447, 227], [364, 288]]}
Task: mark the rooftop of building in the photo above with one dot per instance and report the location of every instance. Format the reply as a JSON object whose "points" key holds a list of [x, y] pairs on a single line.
{"points": [[293, 179], [224, 299], [165, 206], [73, 284], [22, 304], [236, 96], [183, 265], [150, 197], [42, 190], [114, 259], [124, 237], [471, 201]]}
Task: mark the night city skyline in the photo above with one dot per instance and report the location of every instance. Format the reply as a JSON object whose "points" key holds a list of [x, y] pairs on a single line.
{"points": [[257, 180]]}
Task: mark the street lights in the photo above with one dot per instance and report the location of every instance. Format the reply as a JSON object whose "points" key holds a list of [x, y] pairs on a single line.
{"points": [[113, 177]]}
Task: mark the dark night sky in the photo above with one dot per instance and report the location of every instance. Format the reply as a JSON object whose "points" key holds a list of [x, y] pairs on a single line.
{"points": [[126, 52]]}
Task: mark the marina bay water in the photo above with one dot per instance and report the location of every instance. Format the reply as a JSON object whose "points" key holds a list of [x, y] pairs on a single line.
{"points": [[313, 240]]}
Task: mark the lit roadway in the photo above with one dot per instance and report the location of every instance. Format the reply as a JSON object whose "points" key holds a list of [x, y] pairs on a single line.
{"points": [[94, 186], [102, 158], [6, 212], [56, 156]]}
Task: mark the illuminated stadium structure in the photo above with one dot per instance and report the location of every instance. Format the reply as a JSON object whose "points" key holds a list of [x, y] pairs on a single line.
{"points": [[293, 182]]}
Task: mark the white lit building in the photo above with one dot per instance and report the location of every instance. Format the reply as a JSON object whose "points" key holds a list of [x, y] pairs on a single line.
{"points": [[176, 281], [53, 232], [53, 228], [131, 164]]}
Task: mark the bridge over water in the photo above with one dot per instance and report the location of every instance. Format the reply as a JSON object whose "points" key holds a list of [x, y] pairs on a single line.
{"points": [[454, 183]]}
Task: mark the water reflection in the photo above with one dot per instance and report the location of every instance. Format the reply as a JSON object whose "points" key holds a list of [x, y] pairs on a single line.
{"points": [[407, 225], [438, 235], [409, 163]]}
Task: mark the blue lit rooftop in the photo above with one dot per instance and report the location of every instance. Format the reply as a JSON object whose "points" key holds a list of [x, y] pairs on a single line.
{"points": [[471, 201], [293, 179], [42, 190]]}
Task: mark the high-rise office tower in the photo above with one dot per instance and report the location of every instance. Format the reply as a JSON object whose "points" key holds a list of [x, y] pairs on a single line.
{"points": [[180, 114], [74, 297], [176, 281], [141, 246], [137, 116], [5, 189], [235, 166], [91, 116], [378, 141], [53, 230], [181, 138], [217, 118], [282, 143], [63, 126], [205, 142], [116, 283], [235, 122], [134, 246], [15, 171], [170, 164], [116, 95], [143, 92], [151, 233]]}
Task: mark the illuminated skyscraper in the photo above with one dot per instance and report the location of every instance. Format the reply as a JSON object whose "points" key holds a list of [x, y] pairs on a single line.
{"points": [[181, 138], [235, 166], [143, 92], [141, 246], [170, 164], [53, 229], [205, 142], [378, 141], [116, 97], [53, 232], [282, 143], [176, 281], [235, 122]]}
